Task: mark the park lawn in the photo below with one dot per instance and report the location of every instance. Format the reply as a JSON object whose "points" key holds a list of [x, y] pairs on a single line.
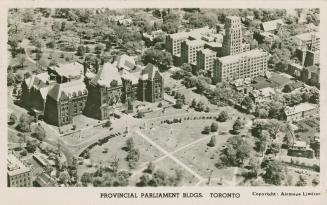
{"points": [[173, 136], [276, 80], [115, 148], [202, 159]]}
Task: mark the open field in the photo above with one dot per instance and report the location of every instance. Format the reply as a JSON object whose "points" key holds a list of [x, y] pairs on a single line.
{"points": [[115, 149], [202, 158]]}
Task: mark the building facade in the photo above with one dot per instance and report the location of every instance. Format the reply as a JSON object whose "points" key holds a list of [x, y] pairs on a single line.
{"points": [[204, 60], [189, 50], [300, 112], [232, 42], [249, 64], [18, 174], [64, 92]]}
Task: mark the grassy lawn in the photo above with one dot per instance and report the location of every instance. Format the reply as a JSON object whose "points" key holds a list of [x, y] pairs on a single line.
{"points": [[172, 137], [202, 159], [115, 148], [276, 80]]}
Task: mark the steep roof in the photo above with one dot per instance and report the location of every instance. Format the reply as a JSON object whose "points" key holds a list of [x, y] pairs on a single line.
{"points": [[126, 62], [148, 72], [69, 89], [39, 80], [106, 74]]}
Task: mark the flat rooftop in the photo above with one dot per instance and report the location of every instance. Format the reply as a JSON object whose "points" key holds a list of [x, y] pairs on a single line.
{"points": [[247, 54], [15, 166]]}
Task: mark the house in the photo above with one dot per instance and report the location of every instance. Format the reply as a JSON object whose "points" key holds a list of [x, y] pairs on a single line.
{"points": [[300, 111]]}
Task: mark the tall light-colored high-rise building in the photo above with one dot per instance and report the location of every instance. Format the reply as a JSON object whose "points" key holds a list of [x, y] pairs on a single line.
{"points": [[232, 42], [248, 64], [189, 49]]}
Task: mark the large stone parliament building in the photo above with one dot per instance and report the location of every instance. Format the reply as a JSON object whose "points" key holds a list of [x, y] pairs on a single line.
{"points": [[68, 90]]}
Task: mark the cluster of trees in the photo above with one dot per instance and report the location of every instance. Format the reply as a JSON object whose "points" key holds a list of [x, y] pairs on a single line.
{"points": [[237, 150], [266, 134], [107, 177], [133, 155], [212, 128], [162, 59], [24, 123], [155, 177], [223, 116], [199, 106], [238, 126]]}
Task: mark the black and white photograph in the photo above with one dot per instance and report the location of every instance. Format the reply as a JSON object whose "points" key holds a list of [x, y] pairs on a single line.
{"points": [[151, 97]]}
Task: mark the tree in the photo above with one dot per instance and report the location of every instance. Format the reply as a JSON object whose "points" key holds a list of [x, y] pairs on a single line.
{"points": [[108, 123], [206, 130], [31, 145], [236, 151], [193, 103], [12, 119], [21, 58], [223, 116], [248, 104], [274, 128], [24, 123], [162, 59], [212, 141], [274, 173], [237, 126], [214, 127], [179, 103], [150, 168], [140, 114], [133, 157], [302, 181], [114, 83], [98, 48], [130, 144], [39, 133], [200, 106], [186, 67], [80, 51]]}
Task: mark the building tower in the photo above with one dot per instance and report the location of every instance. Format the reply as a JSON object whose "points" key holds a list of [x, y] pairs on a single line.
{"points": [[232, 42]]}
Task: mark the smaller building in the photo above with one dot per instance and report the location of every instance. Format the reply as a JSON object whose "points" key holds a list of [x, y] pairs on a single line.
{"points": [[44, 180], [125, 62], [262, 95], [300, 111], [271, 26], [19, 175]]}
